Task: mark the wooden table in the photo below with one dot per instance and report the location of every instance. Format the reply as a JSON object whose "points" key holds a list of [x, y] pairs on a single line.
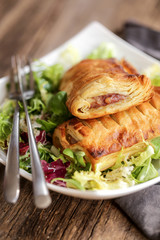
{"points": [[34, 28]]}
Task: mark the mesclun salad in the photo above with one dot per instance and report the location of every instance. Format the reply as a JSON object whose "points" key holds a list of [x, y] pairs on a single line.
{"points": [[48, 109]]}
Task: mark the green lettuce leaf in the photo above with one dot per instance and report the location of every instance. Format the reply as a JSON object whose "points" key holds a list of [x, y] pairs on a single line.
{"points": [[57, 110], [8, 108], [46, 125], [120, 161], [153, 73], [53, 74], [156, 144], [77, 162], [47, 80], [103, 51], [5, 127], [57, 104], [71, 183], [69, 153], [145, 172], [143, 156], [77, 156], [118, 178], [69, 57], [25, 162], [6, 114], [45, 152], [36, 106]]}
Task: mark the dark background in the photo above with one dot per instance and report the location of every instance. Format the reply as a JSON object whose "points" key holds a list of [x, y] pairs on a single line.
{"points": [[35, 27]]}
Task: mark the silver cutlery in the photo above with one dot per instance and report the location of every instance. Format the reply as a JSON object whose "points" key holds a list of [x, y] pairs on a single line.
{"points": [[42, 197], [11, 177]]}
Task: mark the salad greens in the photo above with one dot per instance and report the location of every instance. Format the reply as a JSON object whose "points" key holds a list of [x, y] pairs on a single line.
{"points": [[128, 171], [55, 112], [69, 57], [153, 73], [6, 115], [47, 78], [103, 51], [48, 109]]}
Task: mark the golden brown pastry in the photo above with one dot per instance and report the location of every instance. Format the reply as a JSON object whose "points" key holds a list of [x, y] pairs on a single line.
{"points": [[99, 87], [102, 139]]}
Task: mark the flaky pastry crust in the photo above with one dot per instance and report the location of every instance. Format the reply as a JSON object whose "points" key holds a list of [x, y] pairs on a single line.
{"points": [[96, 88], [102, 139]]}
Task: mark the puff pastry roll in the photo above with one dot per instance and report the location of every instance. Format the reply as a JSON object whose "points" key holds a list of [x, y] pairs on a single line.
{"points": [[102, 139], [99, 87]]}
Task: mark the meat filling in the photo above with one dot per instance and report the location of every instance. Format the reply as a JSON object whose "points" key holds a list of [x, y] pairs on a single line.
{"points": [[104, 100]]}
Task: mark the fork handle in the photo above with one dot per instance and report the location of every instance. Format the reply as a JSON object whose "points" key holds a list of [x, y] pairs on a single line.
{"points": [[11, 178], [41, 194]]}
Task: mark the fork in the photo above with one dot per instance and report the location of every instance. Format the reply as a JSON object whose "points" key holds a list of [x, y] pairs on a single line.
{"points": [[42, 197], [11, 177]]}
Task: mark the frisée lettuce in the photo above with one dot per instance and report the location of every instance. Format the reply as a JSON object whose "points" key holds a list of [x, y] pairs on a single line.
{"points": [[153, 73], [125, 173], [103, 51], [6, 115]]}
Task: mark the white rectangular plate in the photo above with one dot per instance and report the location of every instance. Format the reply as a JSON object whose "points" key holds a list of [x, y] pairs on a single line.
{"points": [[85, 41]]}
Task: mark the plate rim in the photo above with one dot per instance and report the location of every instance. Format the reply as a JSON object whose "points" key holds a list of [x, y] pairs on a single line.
{"points": [[90, 194]]}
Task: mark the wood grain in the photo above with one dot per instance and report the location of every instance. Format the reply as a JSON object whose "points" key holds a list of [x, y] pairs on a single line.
{"points": [[35, 28]]}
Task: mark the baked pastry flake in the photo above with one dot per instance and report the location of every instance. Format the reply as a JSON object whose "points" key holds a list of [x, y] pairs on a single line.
{"points": [[103, 139], [99, 87]]}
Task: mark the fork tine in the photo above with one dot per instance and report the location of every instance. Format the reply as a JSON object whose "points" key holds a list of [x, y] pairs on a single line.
{"points": [[24, 80], [12, 75], [31, 79], [19, 75], [13, 62]]}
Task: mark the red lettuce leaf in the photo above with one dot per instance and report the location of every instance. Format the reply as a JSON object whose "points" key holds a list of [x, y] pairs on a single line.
{"points": [[56, 169], [24, 136], [24, 146], [41, 137]]}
